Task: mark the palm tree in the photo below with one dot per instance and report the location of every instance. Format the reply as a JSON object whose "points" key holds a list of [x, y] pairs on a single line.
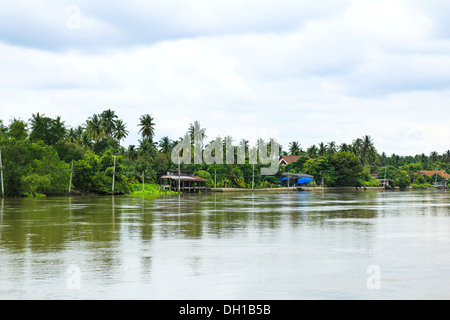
{"points": [[312, 151], [121, 130], [79, 134], [446, 156], [196, 127], [94, 127], [59, 127], [35, 120], [322, 149], [357, 147], [108, 120], [71, 135], [165, 145], [434, 156], [344, 147], [331, 148], [147, 126], [132, 152], [294, 148]]}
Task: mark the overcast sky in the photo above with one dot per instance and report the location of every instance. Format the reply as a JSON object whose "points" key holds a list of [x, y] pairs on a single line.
{"points": [[309, 71]]}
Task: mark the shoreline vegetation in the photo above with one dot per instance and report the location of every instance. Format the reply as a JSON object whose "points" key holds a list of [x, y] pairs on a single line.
{"points": [[42, 156]]}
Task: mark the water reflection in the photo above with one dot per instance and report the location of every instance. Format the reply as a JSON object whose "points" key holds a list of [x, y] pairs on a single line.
{"points": [[145, 240]]}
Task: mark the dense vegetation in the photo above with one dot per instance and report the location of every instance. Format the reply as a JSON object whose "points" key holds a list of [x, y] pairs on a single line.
{"points": [[40, 154]]}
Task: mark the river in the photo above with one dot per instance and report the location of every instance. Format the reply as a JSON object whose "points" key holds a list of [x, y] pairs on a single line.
{"points": [[280, 246]]}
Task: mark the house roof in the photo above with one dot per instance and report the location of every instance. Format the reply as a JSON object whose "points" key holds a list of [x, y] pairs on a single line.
{"points": [[296, 175], [431, 173], [289, 159], [183, 178]]}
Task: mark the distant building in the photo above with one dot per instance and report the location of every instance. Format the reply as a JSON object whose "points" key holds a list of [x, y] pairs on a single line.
{"points": [[285, 160], [183, 181], [431, 173], [295, 179]]}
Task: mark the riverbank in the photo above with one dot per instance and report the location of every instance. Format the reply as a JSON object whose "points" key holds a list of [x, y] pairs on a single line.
{"points": [[296, 189], [313, 189]]}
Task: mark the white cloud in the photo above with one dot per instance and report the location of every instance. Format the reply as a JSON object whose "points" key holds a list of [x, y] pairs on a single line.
{"points": [[288, 68]]}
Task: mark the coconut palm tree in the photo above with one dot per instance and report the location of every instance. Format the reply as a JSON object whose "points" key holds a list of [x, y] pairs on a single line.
{"points": [[121, 130], [196, 127], [434, 156], [147, 126], [94, 127], [322, 149], [357, 147], [79, 134], [108, 121], [331, 148], [446, 156], [312, 151], [132, 152], [294, 148], [165, 145]]}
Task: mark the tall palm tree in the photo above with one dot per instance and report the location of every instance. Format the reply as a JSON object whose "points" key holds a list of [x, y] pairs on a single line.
{"points": [[71, 135], [446, 156], [132, 152], [121, 130], [147, 126], [322, 149], [94, 127], [196, 127], [79, 134], [357, 146], [312, 151], [434, 156], [35, 120], [344, 147], [165, 145], [108, 120], [331, 148], [294, 148]]}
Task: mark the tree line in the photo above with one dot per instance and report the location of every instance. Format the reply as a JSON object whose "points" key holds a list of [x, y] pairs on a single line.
{"points": [[39, 156]]}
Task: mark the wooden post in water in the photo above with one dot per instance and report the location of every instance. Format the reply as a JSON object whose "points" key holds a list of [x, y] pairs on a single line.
{"points": [[1, 173], [114, 175], [70, 181]]}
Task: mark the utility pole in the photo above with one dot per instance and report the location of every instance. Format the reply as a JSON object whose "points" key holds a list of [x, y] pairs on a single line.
{"points": [[215, 178], [114, 175], [1, 173], [70, 182], [143, 183]]}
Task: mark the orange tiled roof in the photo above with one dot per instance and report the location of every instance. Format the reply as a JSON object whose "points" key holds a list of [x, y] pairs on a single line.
{"points": [[430, 173], [290, 159]]}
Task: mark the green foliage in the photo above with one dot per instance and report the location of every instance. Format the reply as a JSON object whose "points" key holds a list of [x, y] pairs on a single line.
{"points": [[320, 169], [205, 175], [402, 179], [50, 131], [347, 169], [95, 174], [33, 168], [297, 166]]}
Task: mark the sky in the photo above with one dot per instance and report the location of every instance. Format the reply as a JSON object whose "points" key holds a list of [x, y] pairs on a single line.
{"points": [[293, 70]]}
